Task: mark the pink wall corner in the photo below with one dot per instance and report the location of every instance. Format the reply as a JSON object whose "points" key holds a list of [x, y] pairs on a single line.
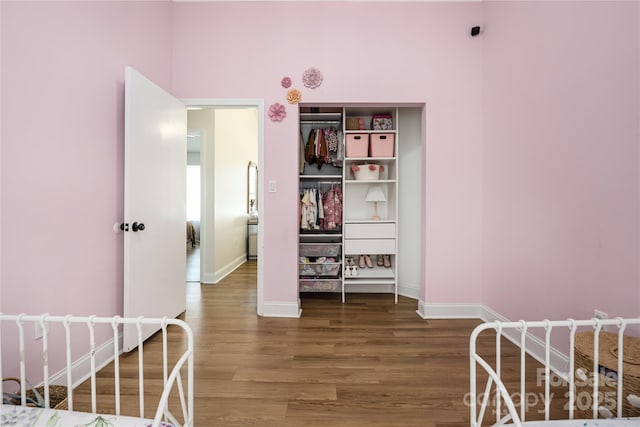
{"points": [[367, 52], [561, 161], [62, 147]]}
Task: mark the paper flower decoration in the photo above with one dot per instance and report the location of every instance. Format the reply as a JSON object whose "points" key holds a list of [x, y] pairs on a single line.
{"points": [[312, 78], [286, 82], [293, 96], [277, 112]]}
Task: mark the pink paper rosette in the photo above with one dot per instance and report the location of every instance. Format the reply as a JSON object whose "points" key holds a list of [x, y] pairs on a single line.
{"points": [[286, 82], [312, 78], [277, 112]]}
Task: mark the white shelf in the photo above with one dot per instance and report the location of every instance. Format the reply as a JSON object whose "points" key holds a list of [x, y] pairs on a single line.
{"points": [[370, 131], [369, 221], [334, 177], [372, 273], [363, 159], [351, 282], [369, 181]]}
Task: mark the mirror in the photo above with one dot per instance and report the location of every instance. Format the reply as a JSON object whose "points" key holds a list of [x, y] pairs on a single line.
{"points": [[252, 188]]}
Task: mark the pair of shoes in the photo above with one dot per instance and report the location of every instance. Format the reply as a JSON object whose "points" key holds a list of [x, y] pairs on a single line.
{"points": [[350, 271], [387, 261], [349, 261], [365, 259]]}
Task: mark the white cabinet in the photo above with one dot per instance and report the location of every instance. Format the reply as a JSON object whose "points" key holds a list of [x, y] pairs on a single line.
{"points": [[368, 179]]}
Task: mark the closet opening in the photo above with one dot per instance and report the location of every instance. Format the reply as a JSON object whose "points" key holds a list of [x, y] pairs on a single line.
{"points": [[361, 201]]}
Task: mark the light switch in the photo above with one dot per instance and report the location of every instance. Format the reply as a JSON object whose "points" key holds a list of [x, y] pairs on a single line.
{"points": [[272, 186]]}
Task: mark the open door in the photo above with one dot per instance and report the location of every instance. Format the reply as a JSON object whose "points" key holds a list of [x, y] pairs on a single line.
{"points": [[155, 134]]}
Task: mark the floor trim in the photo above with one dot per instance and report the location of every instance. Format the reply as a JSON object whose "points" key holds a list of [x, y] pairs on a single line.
{"points": [[281, 309]]}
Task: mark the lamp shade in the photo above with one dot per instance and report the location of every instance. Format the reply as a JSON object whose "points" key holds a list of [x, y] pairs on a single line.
{"points": [[375, 194]]}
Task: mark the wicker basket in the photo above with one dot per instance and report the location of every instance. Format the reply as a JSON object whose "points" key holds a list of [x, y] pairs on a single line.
{"points": [[57, 394], [354, 123], [608, 366]]}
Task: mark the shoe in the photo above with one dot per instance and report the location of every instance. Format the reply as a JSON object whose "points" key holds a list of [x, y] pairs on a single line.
{"points": [[387, 261], [367, 259], [380, 261], [361, 263], [354, 271], [347, 271]]}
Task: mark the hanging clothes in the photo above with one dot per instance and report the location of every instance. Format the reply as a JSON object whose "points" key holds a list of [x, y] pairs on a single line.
{"points": [[310, 148], [332, 209]]}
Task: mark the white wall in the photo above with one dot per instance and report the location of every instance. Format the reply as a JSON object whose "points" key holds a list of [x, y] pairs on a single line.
{"points": [[230, 142], [236, 144]]}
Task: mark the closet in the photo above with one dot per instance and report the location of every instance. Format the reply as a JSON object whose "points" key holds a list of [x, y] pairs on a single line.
{"points": [[320, 212], [356, 247]]}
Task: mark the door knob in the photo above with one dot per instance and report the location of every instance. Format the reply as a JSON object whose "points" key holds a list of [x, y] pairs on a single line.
{"points": [[137, 226]]}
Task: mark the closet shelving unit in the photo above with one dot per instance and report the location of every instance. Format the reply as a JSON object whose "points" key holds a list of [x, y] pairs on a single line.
{"points": [[362, 234], [359, 234], [320, 251]]}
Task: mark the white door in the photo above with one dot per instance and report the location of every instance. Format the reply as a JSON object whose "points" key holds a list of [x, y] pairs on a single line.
{"points": [[154, 204]]}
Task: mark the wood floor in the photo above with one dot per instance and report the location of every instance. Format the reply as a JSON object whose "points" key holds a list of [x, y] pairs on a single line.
{"points": [[368, 362]]}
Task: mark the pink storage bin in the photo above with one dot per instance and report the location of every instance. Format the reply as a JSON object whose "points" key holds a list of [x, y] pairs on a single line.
{"points": [[357, 145], [382, 144]]}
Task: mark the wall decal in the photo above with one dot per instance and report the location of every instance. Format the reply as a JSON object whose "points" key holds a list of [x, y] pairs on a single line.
{"points": [[294, 96], [277, 112], [312, 78]]}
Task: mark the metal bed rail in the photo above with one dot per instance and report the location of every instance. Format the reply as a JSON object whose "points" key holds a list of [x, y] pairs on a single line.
{"points": [[521, 329], [171, 376]]}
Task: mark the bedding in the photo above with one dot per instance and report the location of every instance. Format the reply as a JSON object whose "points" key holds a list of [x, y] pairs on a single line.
{"points": [[620, 422], [28, 416]]}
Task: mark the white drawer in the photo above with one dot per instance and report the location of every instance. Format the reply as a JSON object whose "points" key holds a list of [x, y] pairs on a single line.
{"points": [[384, 230], [369, 246]]}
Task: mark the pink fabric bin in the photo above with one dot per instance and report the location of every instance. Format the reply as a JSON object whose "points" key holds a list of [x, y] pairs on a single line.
{"points": [[357, 145], [382, 144]]}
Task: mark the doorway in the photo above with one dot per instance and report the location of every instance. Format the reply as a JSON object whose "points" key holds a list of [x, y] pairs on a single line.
{"points": [[194, 205], [230, 134]]}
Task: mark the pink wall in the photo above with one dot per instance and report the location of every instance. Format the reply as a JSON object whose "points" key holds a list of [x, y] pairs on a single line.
{"points": [[561, 170], [531, 202], [62, 147], [367, 52]]}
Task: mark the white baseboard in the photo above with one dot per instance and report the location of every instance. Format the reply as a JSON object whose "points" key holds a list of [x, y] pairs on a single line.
{"points": [[281, 309], [558, 361], [408, 291], [535, 347], [451, 311], [81, 368], [218, 275]]}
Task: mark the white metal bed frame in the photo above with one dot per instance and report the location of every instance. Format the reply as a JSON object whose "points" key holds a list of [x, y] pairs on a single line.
{"points": [[170, 377], [517, 333]]}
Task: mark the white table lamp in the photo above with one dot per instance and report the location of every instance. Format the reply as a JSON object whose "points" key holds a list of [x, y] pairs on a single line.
{"points": [[375, 195]]}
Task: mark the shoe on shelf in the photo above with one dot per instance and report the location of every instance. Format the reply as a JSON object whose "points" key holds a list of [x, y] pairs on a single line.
{"points": [[387, 261], [367, 260], [380, 261], [347, 271], [361, 263], [354, 271]]}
